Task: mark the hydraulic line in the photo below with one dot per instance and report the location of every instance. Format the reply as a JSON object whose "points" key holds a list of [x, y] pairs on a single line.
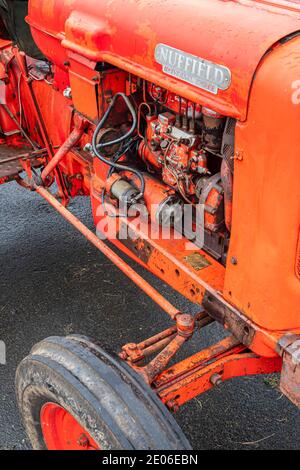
{"points": [[97, 146]]}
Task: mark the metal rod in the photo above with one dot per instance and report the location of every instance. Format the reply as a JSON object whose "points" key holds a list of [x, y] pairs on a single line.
{"points": [[110, 254], [160, 362], [158, 337], [66, 147], [158, 346], [202, 320]]}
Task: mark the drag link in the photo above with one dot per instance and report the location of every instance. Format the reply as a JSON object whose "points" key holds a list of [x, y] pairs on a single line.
{"points": [[163, 303], [184, 330], [136, 353], [159, 337], [159, 346], [160, 362]]}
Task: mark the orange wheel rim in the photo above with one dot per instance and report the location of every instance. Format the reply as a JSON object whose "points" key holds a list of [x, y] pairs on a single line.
{"points": [[61, 431]]}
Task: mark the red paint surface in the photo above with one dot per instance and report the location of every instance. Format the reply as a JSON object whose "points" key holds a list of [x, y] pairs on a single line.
{"points": [[61, 431], [235, 34]]}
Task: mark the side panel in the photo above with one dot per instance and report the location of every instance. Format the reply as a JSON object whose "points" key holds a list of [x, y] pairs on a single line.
{"points": [[261, 275]]}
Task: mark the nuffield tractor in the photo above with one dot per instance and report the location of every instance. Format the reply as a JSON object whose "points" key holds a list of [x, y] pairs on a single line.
{"points": [[180, 120]]}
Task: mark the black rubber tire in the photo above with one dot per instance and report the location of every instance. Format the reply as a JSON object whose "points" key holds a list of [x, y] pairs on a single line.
{"points": [[104, 395]]}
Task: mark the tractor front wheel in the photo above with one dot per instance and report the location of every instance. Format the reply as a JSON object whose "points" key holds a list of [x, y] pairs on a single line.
{"points": [[75, 396]]}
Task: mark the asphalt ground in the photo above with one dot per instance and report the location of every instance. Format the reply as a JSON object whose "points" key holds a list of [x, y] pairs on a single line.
{"points": [[53, 282]]}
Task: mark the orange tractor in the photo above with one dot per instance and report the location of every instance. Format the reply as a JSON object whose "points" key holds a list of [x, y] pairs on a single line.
{"points": [[180, 120]]}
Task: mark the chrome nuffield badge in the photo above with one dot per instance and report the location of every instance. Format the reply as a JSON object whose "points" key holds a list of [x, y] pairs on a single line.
{"points": [[191, 69]]}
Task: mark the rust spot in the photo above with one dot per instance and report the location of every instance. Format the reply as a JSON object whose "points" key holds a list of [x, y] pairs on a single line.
{"points": [[145, 31], [141, 248], [197, 261]]}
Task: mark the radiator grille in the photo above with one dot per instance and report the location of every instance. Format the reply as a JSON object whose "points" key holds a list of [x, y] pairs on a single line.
{"points": [[228, 142]]}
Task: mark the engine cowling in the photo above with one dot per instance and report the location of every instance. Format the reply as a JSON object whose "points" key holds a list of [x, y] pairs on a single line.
{"points": [[133, 36]]}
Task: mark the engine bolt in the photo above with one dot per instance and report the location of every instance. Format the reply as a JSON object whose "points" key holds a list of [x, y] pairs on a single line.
{"points": [[83, 440], [88, 148], [67, 93]]}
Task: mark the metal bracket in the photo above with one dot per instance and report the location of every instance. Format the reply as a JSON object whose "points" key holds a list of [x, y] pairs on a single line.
{"points": [[229, 317], [289, 350]]}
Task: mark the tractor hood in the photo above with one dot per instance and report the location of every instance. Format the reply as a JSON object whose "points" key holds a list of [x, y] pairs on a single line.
{"points": [[205, 50]]}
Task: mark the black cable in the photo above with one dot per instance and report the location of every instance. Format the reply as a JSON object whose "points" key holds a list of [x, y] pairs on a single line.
{"points": [[117, 157], [124, 149], [107, 113], [97, 146]]}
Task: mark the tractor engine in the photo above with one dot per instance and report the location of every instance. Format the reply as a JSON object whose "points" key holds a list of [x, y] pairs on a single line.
{"points": [[182, 145], [185, 148]]}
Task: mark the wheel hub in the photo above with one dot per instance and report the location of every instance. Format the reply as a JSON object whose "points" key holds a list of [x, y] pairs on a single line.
{"points": [[61, 431]]}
